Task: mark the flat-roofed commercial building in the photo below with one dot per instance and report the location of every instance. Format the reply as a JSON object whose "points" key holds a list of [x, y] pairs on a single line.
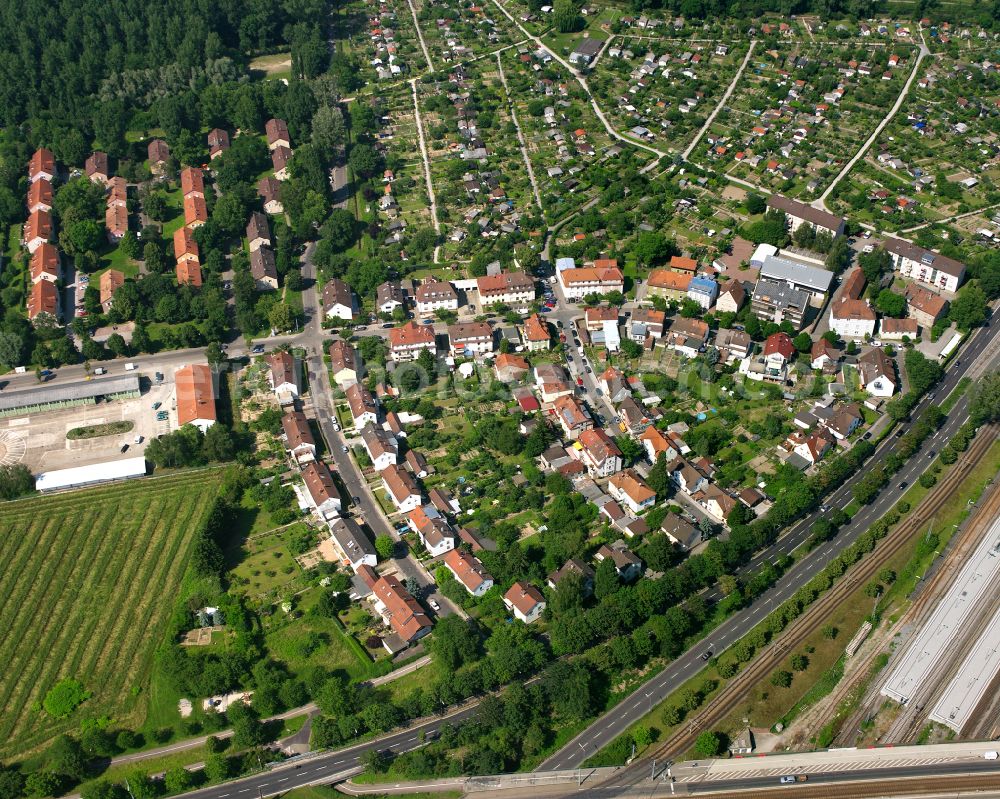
{"points": [[52, 398]]}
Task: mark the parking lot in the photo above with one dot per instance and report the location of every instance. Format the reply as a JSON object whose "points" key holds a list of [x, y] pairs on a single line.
{"points": [[39, 440]]}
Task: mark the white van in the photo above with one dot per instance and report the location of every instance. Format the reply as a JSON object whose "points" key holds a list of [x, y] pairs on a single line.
{"points": [[130, 367], [990, 755]]}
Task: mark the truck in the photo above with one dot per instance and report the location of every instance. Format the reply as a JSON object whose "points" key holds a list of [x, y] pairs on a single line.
{"points": [[100, 370], [130, 367]]}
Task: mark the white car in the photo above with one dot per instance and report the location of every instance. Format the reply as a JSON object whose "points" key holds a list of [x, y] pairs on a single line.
{"points": [[433, 603], [336, 427]]}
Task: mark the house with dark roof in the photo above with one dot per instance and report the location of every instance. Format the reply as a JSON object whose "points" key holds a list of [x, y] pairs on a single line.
{"points": [[801, 214]]}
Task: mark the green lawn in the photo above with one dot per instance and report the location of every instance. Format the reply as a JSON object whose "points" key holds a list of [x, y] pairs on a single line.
{"points": [[318, 641], [86, 591]]}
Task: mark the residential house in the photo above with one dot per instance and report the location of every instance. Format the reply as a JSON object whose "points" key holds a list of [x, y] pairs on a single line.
{"points": [[898, 329], [823, 355], [389, 296], [194, 391], [852, 319], [799, 213], [733, 345], [434, 295], [924, 306], [469, 571], [407, 342], [402, 488], [185, 245], [732, 295], [656, 443], [778, 352], [436, 535], [158, 154], [110, 281], [42, 165], [572, 416], [283, 376], [668, 284], [400, 611], [258, 231], [218, 143], [573, 566], [646, 324], [39, 196], [343, 364], [632, 417], [716, 502], [630, 489], [277, 134], [510, 368], [524, 601], [599, 453], [281, 157], [269, 190], [596, 317], [381, 446], [578, 283], [188, 273], [680, 531], [264, 269], [536, 334], [812, 446], [509, 288], [686, 476], [299, 440], [925, 266], [418, 463], [628, 566], [470, 338], [351, 544], [37, 230], [687, 336], [778, 302], [845, 420], [43, 301], [115, 222], [552, 381], [683, 265], [192, 182], [364, 409], [45, 264], [96, 167], [703, 290], [877, 373], [339, 301]]}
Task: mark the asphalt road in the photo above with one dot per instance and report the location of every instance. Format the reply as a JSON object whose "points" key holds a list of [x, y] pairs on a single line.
{"points": [[633, 707], [322, 396]]}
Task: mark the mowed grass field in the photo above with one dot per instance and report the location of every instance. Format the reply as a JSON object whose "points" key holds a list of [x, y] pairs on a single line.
{"points": [[88, 580]]}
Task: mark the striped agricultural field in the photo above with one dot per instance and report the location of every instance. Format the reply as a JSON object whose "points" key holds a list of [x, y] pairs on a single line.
{"points": [[88, 580]]}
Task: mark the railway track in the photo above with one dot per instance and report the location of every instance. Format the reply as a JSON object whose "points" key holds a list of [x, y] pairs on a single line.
{"points": [[799, 629], [952, 787], [913, 619]]}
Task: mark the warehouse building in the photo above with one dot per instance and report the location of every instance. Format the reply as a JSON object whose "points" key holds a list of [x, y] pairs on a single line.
{"points": [[38, 399]]}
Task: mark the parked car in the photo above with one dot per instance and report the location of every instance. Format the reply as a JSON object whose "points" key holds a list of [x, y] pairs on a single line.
{"points": [[124, 447], [344, 449], [433, 603], [156, 406]]}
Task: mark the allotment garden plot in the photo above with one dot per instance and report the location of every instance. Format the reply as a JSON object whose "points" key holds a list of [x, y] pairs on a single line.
{"points": [[457, 31], [480, 182], [800, 111], [662, 90], [86, 589], [938, 157], [571, 152], [380, 37]]}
